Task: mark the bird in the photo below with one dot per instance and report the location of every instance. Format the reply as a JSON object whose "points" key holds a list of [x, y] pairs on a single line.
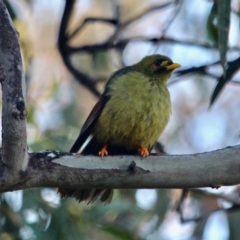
{"points": [[128, 119]]}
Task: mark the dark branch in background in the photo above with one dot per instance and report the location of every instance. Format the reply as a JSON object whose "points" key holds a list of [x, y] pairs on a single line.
{"points": [[233, 200], [233, 67], [64, 50], [67, 51], [170, 21], [87, 20], [145, 12], [121, 44], [200, 69], [113, 42], [122, 26]]}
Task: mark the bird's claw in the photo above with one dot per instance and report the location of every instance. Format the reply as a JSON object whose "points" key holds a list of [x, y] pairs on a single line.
{"points": [[143, 151], [103, 152]]}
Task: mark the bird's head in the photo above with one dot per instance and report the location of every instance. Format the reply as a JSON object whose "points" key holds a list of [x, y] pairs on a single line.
{"points": [[157, 66]]}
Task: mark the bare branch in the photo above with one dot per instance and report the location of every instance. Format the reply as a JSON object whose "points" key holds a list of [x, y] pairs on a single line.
{"points": [[234, 200], [123, 42], [55, 169], [66, 54], [14, 147], [174, 15], [87, 20], [144, 13]]}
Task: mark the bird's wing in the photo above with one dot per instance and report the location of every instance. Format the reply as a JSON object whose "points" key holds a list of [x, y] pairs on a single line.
{"points": [[85, 134], [87, 127]]}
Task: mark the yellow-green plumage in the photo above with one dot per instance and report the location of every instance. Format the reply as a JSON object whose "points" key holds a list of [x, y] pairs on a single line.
{"points": [[137, 112], [130, 116]]}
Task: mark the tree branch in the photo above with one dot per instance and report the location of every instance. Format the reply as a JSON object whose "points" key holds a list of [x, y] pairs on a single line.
{"points": [[230, 198], [145, 12], [14, 146], [91, 19], [120, 44], [56, 169], [64, 48]]}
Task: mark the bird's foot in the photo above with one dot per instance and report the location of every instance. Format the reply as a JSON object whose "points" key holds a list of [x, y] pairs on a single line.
{"points": [[103, 152], [143, 151]]}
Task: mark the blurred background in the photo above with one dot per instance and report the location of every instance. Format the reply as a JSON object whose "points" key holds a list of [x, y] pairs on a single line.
{"points": [[66, 71]]}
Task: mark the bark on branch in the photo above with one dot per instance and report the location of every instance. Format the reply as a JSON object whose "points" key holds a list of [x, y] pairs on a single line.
{"points": [[14, 147], [55, 169]]}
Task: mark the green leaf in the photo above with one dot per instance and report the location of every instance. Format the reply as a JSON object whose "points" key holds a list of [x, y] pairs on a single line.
{"points": [[212, 30], [232, 68], [223, 22]]}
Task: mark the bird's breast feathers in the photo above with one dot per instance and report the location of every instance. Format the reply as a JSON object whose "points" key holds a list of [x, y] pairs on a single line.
{"points": [[134, 116]]}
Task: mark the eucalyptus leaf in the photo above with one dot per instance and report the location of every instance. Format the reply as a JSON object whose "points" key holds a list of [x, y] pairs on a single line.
{"points": [[231, 70], [223, 19], [211, 28]]}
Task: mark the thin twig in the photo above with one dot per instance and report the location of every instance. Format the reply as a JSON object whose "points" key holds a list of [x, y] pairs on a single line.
{"points": [[145, 12], [185, 192], [174, 15], [87, 20], [123, 42], [125, 24]]}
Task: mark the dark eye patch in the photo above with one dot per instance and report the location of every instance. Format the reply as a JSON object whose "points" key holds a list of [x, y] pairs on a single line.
{"points": [[157, 63]]}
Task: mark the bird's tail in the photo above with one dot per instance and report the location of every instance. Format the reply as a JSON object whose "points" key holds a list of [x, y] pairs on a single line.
{"points": [[88, 195]]}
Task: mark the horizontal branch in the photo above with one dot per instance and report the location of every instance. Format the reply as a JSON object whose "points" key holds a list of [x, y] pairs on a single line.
{"points": [[56, 169], [121, 44]]}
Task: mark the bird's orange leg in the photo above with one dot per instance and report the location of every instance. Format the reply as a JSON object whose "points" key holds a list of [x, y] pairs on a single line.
{"points": [[103, 152], [143, 151]]}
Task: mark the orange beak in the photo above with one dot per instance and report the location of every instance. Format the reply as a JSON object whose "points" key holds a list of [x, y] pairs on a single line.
{"points": [[173, 66]]}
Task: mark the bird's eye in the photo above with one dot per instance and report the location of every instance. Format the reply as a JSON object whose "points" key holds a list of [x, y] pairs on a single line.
{"points": [[157, 63]]}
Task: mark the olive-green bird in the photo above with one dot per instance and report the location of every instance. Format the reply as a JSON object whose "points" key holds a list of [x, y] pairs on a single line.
{"points": [[128, 118]]}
